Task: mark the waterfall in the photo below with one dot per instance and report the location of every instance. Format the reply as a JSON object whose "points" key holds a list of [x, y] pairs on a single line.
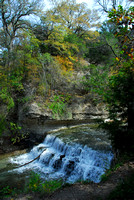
{"points": [[70, 162]]}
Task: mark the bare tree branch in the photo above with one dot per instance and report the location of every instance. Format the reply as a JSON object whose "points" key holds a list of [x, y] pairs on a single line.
{"points": [[13, 15], [107, 5]]}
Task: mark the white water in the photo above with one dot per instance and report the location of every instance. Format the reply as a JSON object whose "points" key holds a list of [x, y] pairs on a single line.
{"points": [[70, 162]]}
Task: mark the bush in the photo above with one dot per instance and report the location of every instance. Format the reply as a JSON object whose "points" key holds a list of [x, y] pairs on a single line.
{"points": [[124, 191], [57, 106], [36, 184], [16, 133]]}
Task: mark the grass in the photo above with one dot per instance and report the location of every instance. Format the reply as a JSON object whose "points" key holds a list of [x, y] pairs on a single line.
{"points": [[8, 191], [108, 172], [34, 185]]}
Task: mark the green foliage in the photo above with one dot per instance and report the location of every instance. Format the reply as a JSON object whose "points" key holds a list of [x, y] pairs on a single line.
{"points": [[104, 177], [123, 20], [15, 80], [108, 172], [120, 88], [77, 45], [52, 185], [25, 99], [6, 191], [99, 50], [9, 191], [37, 185], [58, 106], [45, 58], [16, 134], [6, 98], [96, 81], [121, 92], [124, 190], [3, 124]]}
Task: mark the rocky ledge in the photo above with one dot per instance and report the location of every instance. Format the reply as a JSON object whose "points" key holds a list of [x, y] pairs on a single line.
{"points": [[39, 121]]}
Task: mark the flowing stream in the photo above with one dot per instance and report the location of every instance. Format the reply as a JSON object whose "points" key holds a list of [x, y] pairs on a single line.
{"points": [[80, 153]]}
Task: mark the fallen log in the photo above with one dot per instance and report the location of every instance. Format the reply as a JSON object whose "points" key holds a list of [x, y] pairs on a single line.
{"points": [[31, 160]]}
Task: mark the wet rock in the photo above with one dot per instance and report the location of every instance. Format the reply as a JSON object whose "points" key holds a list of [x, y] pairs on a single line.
{"points": [[46, 161], [57, 164], [69, 167], [62, 156]]}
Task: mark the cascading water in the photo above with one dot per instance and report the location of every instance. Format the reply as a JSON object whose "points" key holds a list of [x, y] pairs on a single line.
{"points": [[68, 161]]}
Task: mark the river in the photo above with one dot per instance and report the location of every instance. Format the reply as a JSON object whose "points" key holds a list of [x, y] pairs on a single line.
{"points": [[73, 154]]}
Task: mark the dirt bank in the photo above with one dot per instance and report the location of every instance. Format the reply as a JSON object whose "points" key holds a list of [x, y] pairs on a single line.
{"points": [[92, 191]]}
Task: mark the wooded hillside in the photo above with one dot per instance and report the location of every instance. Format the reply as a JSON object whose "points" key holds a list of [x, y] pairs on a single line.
{"points": [[67, 52]]}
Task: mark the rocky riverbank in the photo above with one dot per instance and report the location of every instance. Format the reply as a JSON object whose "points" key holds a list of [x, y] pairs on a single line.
{"points": [[35, 118]]}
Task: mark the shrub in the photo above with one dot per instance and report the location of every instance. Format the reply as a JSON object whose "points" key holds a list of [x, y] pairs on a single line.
{"points": [[57, 106], [124, 191], [36, 184]]}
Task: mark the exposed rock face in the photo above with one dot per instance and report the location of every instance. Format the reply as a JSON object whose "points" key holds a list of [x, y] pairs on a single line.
{"points": [[88, 111], [39, 121]]}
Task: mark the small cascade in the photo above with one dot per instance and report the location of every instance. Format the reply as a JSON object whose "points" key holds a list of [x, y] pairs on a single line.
{"points": [[70, 162]]}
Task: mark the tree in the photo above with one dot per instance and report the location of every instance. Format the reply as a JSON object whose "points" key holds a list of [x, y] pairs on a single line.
{"points": [[124, 29], [107, 5], [77, 17], [70, 15], [64, 29], [124, 74], [120, 93], [103, 48], [15, 20], [13, 15]]}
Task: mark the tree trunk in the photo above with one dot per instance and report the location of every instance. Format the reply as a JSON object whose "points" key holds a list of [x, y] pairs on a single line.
{"points": [[131, 116]]}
